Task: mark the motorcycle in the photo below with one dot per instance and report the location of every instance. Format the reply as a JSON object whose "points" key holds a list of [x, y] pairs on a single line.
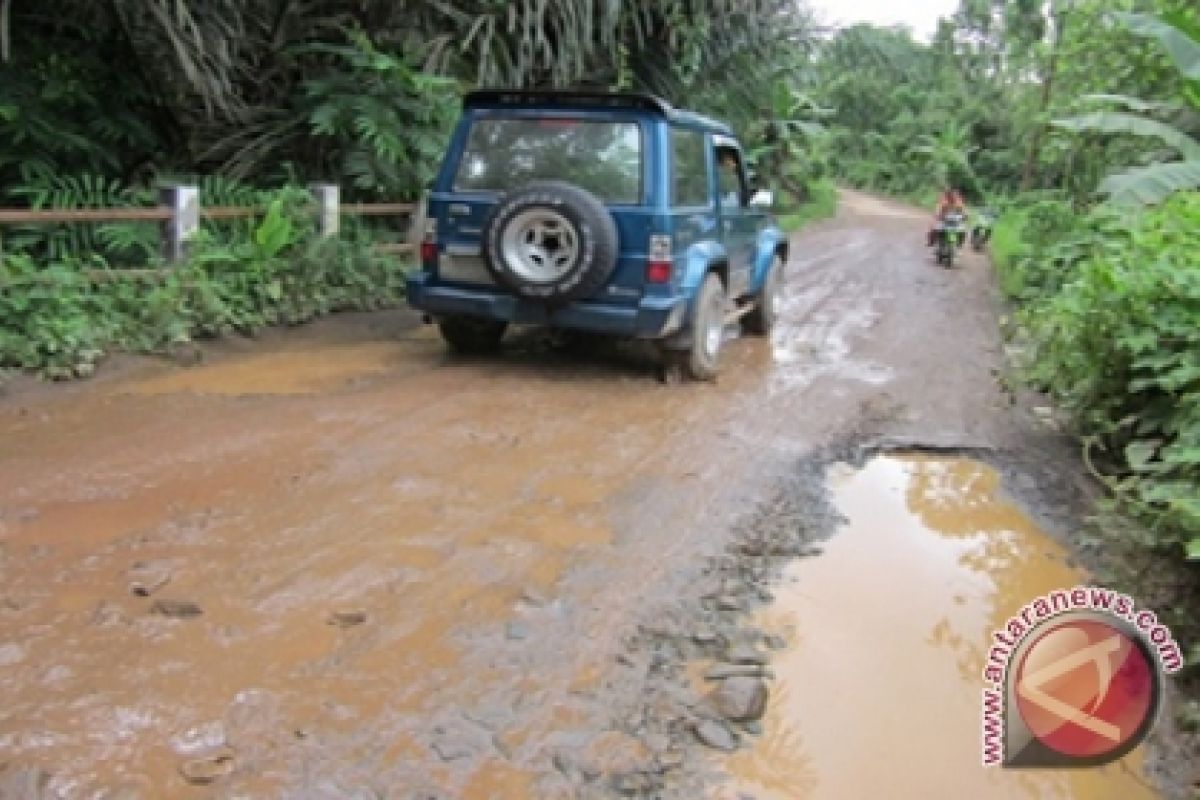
{"points": [[981, 230], [950, 235]]}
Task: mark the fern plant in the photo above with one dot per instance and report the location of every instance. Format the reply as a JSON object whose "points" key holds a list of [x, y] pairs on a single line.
{"points": [[382, 121], [122, 242]]}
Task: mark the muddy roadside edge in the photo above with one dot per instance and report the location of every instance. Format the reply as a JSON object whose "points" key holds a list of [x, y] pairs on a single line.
{"points": [[670, 729]]}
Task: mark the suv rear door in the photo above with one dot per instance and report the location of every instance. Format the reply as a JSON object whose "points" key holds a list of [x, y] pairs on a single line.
{"points": [[497, 150]]}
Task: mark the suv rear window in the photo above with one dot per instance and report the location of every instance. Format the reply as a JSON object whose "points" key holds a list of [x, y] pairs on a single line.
{"points": [[603, 157]]}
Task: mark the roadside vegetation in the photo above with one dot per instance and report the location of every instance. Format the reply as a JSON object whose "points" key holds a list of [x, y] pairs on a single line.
{"points": [[1080, 122]]}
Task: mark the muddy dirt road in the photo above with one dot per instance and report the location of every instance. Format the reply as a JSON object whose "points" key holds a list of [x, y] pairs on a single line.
{"points": [[335, 562]]}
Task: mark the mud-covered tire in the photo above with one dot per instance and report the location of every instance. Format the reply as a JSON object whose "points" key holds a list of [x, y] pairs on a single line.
{"points": [[472, 335], [551, 242], [702, 359], [762, 318], [944, 251]]}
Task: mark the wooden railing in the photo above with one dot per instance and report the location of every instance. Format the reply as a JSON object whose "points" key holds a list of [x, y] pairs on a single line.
{"points": [[179, 213]]}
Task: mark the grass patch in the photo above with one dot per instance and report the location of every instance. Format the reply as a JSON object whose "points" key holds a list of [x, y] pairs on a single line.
{"points": [[1007, 246], [822, 204]]}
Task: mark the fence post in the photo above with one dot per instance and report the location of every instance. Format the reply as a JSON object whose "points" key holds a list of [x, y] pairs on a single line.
{"points": [[184, 204], [328, 197], [416, 223]]}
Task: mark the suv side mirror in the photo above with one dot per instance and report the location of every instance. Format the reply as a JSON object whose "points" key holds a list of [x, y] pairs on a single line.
{"points": [[763, 199]]}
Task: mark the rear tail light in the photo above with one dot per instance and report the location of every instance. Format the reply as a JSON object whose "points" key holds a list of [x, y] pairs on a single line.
{"points": [[659, 266], [429, 249]]}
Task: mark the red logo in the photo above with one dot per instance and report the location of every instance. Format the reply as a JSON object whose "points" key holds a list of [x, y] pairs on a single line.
{"points": [[1086, 691]]}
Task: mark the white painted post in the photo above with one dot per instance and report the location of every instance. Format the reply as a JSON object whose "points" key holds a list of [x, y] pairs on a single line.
{"points": [[328, 198], [184, 203], [416, 223]]}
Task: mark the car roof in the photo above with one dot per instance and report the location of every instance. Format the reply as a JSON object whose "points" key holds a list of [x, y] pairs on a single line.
{"points": [[591, 100]]}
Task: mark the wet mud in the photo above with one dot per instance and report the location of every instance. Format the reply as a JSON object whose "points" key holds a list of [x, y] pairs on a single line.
{"points": [[335, 562]]}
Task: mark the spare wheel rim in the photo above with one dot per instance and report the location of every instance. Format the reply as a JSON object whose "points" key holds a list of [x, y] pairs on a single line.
{"points": [[540, 245]]}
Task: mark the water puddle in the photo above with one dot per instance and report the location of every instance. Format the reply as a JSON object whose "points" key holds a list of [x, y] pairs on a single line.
{"points": [[282, 372], [878, 692]]}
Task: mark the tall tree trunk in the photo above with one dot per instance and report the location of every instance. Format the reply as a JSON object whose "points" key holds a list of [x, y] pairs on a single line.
{"points": [[1062, 18]]}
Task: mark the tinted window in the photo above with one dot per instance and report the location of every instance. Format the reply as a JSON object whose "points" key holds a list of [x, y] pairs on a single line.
{"points": [[689, 176], [603, 157]]}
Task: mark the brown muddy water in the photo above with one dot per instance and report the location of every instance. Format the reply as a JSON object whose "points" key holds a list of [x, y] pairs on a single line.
{"points": [[877, 693]]}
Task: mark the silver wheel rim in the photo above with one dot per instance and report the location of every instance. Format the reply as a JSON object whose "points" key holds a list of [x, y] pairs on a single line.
{"points": [[540, 245], [715, 327]]}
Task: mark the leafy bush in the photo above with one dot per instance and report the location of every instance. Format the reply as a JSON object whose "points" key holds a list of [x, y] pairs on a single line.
{"points": [[821, 203], [52, 319], [1118, 347]]}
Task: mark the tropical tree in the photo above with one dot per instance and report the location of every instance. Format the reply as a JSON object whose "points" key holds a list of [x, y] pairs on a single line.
{"points": [[946, 155], [1173, 124], [275, 90]]}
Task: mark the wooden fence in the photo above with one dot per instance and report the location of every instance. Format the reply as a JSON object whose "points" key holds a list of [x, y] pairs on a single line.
{"points": [[179, 213]]}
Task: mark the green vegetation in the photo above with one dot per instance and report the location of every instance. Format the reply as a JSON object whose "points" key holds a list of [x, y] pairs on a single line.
{"points": [[1038, 108], [61, 316], [1114, 338], [820, 204], [1078, 121]]}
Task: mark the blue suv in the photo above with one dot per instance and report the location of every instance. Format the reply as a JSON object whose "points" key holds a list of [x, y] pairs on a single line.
{"points": [[609, 213]]}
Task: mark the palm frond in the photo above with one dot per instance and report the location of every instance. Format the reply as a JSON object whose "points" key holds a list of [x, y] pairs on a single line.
{"points": [[1153, 184]]}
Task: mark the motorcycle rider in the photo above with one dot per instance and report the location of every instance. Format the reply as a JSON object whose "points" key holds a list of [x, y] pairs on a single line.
{"points": [[951, 200]]}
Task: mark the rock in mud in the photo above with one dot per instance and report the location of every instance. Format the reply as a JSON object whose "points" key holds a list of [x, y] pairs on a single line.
{"points": [[346, 619], [715, 735], [721, 672], [533, 597], [745, 654], [740, 699], [728, 602], [669, 760], [208, 768], [147, 577], [176, 609]]}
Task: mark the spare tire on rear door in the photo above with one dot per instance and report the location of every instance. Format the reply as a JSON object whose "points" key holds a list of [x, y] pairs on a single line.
{"points": [[550, 241]]}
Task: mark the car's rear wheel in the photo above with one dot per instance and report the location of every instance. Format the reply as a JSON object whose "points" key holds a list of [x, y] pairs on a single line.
{"points": [[551, 242], [761, 320], [472, 335], [703, 358]]}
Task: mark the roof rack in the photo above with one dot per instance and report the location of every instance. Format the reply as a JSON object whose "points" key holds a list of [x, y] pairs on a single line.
{"points": [[567, 97]]}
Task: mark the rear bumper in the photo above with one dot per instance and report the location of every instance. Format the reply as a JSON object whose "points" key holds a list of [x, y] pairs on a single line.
{"points": [[651, 318]]}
